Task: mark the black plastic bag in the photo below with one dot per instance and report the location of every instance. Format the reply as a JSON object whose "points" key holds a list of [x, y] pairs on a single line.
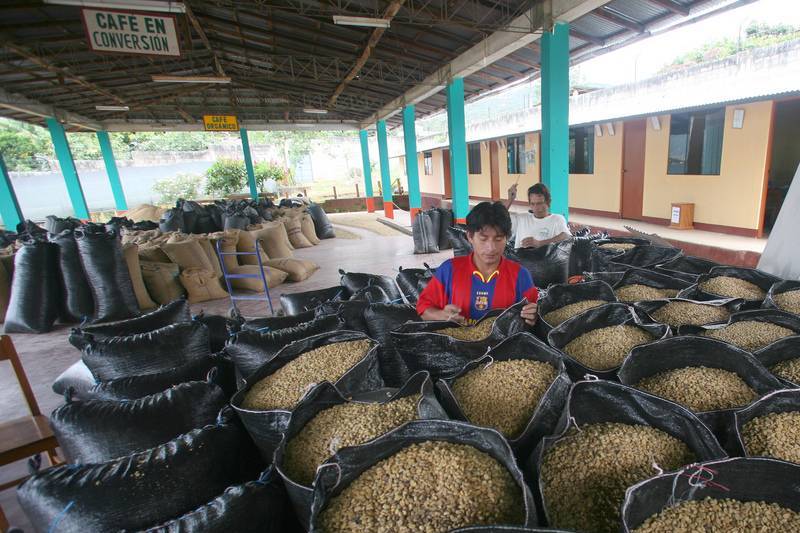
{"points": [[548, 264], [249, 349], [325, 396], [645, 256], [146, 353], [458, 241], [266, 427], [746, 480], [545, 416], [381, 320], [30, 228], [352, 312], [733, 305], [580, 256], [95, 431], [172, 313], [757, 277], [680, 352], [780, 350], [772, 316], [322, 226], [781, 401], [422, 348], [601, 257], [144, 225], [56, 225], [412, 281], [613, 314], [220, 329], [686, 267], [77, 378], [650, 278], [425, 232], [116, 224], [564, 294], [779, 288], [609, 277], [271, 323], [355, 281], [351, 462], [192, 215], [371, 294], [216, 213], [601, 401], [295, 303], [445, 222], [235, 221], [171, 220], [259, 506], [142, 489], [108, 275], [34, 302]]}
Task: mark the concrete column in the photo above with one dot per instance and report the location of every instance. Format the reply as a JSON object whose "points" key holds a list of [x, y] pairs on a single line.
{"points": [[412, 167], [9, 206], [362, 135], [68, 170], [248, 164], [555, 116], [386, 179], [111, 170], [458, 149]]}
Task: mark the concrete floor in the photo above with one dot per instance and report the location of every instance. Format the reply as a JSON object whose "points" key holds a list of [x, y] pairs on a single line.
{"points": [[45, 356]]}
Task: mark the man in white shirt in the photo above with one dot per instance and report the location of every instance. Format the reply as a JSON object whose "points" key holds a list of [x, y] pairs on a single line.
{"points": [[538, 226]]}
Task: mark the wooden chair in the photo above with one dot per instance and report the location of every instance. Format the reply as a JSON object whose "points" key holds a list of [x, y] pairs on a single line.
{"points": [[27, 436]]}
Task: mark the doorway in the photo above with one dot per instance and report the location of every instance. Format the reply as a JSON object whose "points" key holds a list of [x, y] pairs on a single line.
{"points": [[784, 159], [494, 170], [448, 184], [633, 146]]}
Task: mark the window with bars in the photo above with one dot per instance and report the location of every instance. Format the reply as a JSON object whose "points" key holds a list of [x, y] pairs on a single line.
{"points": [[427, 160], [515, 152], [581, 150], [695, 142], [474, 158]]}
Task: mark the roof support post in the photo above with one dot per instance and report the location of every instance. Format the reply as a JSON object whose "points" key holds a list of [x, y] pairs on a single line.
{"points": [[412, 167], [362, 135], [68, 170], [386, 178], [9, 206], [457, 133], [111, 170], [248, 164], [555, 116]]}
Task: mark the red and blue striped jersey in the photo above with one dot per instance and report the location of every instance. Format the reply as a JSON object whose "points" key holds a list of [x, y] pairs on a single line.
{"points": [[458, 282]]}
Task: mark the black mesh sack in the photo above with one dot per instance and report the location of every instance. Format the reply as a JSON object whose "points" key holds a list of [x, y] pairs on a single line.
{"points": [[172, 313], [445, 222], [650, 278], [324, 396], [686, 267], [771, 316], [782, 350], [601, 401], [355, 281], [322, 226], [259, 506], [782, 401], [645, 257], [250, 349], [108, 275], [613, 314], [425, 231], [171, 220], [756, 277], [271, 323], [142, 489], [147, 353], [55, 225], [351, 462], [564, 294], [746, 480], [220, 328], [779, 288], [95, 431], [458, 241], [545, 416], [580, 256], [547, 264], [680, 352], [298, 302], [34, 302], [412, 281], [381, 320], [422, 348], [266, 427]]}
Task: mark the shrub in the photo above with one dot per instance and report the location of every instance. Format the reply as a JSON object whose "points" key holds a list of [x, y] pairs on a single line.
{"points": [[186, 186], [225, 176]]}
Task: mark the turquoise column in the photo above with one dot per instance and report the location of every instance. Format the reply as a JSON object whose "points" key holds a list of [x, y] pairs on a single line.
{"points": [[362, 135], [458, 148], [248, 163], [61, 146], [555, 116], [386, 179], [9, 206], [111, 170], [412, 167]]}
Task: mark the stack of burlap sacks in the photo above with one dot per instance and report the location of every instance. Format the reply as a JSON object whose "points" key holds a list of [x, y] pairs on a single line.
{"points": [[166, 266]]}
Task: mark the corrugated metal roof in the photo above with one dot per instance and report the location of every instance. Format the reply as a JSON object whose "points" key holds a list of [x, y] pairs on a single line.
{"points": [[639, 11]]}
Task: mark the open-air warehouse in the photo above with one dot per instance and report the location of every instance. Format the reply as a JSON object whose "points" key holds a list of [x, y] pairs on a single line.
{"points": [[264, 358]]}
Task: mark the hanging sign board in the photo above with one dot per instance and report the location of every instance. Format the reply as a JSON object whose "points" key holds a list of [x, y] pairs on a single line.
{"points": [[220, 123], [128, 32]]}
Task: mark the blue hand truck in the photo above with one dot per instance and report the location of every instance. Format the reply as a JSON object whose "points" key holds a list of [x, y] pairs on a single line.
{"points": [[228, 277]]}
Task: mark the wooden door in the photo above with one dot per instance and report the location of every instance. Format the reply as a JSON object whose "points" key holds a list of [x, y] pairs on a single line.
{"points": [[633, 147], [448, 183], [494, 169]]}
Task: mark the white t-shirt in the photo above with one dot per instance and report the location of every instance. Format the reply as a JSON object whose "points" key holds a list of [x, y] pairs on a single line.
{"points": [[525, 225]]}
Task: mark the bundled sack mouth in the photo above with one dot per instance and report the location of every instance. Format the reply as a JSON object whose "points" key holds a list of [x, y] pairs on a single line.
{"points": [[412, 281], [355, 281], [296, 303], [174, 312]]}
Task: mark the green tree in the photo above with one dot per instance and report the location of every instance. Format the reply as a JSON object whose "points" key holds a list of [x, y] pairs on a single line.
{"points": [[225, 176], [187, 186]]}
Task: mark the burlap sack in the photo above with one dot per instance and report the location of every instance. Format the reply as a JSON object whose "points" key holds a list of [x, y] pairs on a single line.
{"points": [[247, 243], [297, 269], [187, 254], [153, 254], [294, 230], [145, 212], [274, 278], [211, 253], [228, 241], [178, 236], [202, 285], [131, 254], [307, 227], [274, 239], [162, 281], [6, 273]]}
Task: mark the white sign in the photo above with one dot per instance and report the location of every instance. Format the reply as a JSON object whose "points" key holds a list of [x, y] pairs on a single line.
{"points": [[676, 215], [127, 32]]}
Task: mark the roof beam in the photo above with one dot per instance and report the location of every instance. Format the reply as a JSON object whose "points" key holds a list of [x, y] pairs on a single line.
{"points": [[22, 104], [203, 37], [586, 37], [612, 16], [251, 125], [678, 9]]}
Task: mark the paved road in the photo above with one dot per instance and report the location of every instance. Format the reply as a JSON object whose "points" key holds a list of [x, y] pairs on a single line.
{"points": [[45, 194]]}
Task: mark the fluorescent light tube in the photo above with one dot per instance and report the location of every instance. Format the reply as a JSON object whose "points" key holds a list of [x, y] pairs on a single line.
{"points": [[316, 111], [138, 5], [112, 108], [360, 21], [166, 78]]}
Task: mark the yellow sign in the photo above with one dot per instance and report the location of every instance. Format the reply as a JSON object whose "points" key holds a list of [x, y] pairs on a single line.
{"points": [[220, 123]]}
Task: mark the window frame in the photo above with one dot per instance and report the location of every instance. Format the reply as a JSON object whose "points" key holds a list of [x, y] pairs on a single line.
{"points": [[427, 163], [518, 157], [681, 158], [588, 156], [473, 159]]}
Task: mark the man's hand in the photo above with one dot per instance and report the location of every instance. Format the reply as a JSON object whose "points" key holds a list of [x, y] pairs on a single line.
{"points": [[528, 313], [512, 192], [529, 242], [452, 313]]}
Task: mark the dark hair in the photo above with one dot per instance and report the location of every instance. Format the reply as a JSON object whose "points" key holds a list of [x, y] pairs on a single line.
{"points": [[489, 214], [540, 188]]}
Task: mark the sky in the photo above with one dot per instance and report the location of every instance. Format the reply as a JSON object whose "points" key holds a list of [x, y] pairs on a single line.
{"points": [[644, 59]]}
